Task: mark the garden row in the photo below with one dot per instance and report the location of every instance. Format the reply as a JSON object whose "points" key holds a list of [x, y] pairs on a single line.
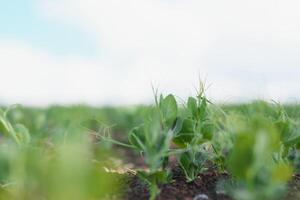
{"points": [[259, 148], [65, 154]]}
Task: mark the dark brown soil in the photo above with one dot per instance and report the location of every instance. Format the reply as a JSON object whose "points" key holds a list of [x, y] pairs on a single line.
{"points": [[179, 189], [203, 188]]}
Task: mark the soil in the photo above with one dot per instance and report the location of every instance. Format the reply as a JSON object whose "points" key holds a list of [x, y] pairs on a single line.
{"points": [[129, 158], [203, 188]]}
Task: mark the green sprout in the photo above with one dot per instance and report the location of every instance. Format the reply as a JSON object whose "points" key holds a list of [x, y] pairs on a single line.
{"points": [[197, 130], [152, 140]]}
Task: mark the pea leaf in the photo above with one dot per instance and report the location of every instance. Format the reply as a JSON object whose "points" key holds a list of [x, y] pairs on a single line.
{"points": [[192, 106], [169, 109]]}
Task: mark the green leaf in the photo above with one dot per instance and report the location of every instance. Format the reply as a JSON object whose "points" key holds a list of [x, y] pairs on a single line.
{"points": [[4, 125], [169, 109], [207, 130], [6, 128], [177, 126], [184, 162], [202, 108], [188, 126], [186, 134], [183, 139], [192, 106], [242, 156], [192, 163]]}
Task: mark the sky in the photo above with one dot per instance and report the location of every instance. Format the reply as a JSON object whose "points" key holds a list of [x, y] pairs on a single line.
{"points": [[111, 52]]}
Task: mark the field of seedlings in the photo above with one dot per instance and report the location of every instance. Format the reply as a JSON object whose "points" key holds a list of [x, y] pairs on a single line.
{"points": [[192, 150]]}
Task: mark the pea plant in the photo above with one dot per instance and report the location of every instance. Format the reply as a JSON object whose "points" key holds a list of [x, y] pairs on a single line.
{"points": [[259, 146], [197, 130], [289, 131], [251, 163], [152, 140]]}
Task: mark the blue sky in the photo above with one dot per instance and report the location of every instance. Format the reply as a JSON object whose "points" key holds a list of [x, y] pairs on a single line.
{"points": [[20, 20], [111, 52]]}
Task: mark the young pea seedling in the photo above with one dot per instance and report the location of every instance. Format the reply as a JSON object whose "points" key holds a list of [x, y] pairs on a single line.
{"points": [[197, 129], [152, 139]]}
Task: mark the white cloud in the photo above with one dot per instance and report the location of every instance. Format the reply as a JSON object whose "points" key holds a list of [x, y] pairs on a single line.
{"points": [[246, 49]]}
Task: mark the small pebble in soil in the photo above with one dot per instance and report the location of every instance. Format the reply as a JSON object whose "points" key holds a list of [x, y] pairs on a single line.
{"points": [[201, 197]]}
